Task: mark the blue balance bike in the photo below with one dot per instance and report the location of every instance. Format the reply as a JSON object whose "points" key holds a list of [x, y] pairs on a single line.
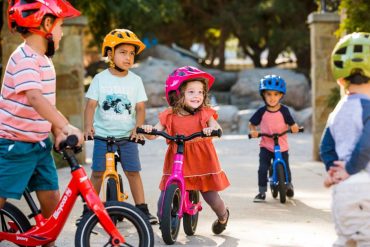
{"points": [[278, 172]]}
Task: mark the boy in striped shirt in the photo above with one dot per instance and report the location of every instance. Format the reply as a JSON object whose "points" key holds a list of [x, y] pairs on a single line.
{"points": [[27, 104]]}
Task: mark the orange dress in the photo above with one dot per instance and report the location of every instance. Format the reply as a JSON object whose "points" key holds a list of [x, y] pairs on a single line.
{"points": [[201, 167]]}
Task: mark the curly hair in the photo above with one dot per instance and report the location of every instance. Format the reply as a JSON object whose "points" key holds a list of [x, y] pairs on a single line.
{"points": [[177, 102]]}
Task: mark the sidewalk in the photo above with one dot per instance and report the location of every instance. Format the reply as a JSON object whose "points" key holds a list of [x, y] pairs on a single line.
{"points": [[304, 221]]}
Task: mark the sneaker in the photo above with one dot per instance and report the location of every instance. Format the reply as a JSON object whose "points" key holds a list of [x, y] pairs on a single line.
{"points": [[85, 211], [144, 208], [218, 227], [290, 190], [261, 197]]}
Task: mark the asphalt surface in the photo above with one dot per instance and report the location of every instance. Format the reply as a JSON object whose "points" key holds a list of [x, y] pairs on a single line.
{"points": [[303, 221]]}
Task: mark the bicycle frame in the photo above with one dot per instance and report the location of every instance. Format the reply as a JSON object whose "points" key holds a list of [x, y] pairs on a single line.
{"points": [[278, 159], [48, 229], [177, 177]]}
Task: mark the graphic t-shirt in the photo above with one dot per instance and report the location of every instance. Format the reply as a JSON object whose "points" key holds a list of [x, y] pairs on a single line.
{"points": [[117, 98]]}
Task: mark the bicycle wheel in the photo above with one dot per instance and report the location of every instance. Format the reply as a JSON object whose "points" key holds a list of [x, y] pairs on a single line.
{"points": [[111, 191], [282, 185], [135, 228], [273, 188], [170, 221], [191, 221], [13, 220]]}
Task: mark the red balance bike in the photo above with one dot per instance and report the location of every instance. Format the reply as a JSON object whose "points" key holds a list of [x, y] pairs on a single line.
{"points": [[100, 227]]}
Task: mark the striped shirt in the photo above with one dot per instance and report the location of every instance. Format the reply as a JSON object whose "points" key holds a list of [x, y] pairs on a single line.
{"points": [[26, 70]]}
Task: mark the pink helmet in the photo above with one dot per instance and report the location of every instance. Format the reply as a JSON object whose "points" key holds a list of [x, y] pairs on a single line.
{"points": [[178, 76]]}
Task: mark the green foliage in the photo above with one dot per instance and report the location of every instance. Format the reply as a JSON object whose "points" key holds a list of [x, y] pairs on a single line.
{"points": [[357, 16], [333, 98]]}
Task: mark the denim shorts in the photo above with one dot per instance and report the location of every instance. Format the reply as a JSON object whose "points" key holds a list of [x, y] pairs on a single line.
{"points": [[26, 164], [128, 152]]}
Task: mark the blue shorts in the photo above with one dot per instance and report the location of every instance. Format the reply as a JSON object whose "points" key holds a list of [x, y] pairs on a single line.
{"points": [[25, 164], [128, 152]]}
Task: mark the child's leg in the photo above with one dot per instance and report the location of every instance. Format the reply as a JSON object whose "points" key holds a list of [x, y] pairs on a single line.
{"points": [[136, 186], [214, 200], [265, 162], [2, 202], [96, 180]]}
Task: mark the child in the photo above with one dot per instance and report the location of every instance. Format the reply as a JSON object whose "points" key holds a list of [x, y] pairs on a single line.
{"points": [[116, 106], [189, 112], [345, 146], [27, 104], [271, 118]]}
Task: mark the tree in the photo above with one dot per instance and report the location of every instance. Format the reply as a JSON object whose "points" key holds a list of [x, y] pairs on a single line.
{"points": [[357, 18]]}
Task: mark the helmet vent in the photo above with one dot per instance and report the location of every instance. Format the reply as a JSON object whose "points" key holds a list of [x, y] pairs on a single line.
{"points": [[357, 59], [128, 34], [28, 12], [119, 35], [338, 64], [113, 32], [341, 51], [27, 1], [357, 48], [181, 73], [366, 36]]}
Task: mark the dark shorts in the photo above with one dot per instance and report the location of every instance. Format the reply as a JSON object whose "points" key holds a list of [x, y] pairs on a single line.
{"points": [[25, 164], [128, 152]]}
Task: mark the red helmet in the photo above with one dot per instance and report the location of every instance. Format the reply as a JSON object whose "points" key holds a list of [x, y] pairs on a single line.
{"points": [[29, 14], [178, 76]]}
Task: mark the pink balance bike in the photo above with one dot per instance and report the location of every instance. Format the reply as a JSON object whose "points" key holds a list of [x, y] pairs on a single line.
{"points": [[177, 202], [99, 227]]}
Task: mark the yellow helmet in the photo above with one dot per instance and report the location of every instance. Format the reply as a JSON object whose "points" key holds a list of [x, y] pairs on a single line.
{"points": [[121, 36]]}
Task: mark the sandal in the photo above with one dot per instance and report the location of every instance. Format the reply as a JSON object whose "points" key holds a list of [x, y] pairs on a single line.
{"points": [[218, 227]]}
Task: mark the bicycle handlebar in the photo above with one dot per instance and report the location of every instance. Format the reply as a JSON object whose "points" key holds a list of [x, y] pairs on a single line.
{"points": [[115, 140], [301, 129], [178, 137]]}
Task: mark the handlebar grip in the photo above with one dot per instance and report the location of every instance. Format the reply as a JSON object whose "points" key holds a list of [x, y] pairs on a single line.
{"points": [[301, 129], [217, 132], [71, 141], [142, 142], [142, 131]]}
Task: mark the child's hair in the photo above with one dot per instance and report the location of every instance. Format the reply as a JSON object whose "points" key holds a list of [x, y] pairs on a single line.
{"points": [[177, 101]]}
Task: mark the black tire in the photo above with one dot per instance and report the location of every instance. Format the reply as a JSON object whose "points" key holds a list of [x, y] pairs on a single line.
{"points": [[170, 221], [11, 214], [282, 185], [111, 191], [191, 221], [136, 229], [273, 188]]}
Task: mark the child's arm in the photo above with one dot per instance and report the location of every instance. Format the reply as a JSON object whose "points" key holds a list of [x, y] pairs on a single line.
{"points": [[212, 125], [60, 125], [327, 149], [89, 118], [140, 119], [149, 128], [253, 130]]}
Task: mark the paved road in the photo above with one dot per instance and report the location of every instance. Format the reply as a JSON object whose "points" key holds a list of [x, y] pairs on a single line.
{"points": [[303, 221]]}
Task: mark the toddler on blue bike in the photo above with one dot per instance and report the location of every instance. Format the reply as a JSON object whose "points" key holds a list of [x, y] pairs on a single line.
{"points": [[272, 118]]}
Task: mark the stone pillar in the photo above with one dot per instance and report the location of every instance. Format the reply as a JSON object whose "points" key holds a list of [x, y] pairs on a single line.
{"points": [[68, 62], [322, 28]]}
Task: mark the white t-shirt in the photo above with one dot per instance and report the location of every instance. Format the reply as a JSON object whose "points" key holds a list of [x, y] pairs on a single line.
{"points": [[115, 114]]}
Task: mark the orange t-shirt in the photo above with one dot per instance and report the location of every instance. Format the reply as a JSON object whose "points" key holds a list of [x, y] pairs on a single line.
{"points": [[201, 167]]}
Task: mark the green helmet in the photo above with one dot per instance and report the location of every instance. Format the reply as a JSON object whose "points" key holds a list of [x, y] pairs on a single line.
{"points": [[351, 54]]}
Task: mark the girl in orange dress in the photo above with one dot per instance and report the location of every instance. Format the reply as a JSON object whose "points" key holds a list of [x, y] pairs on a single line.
{"points": [[189, 112]]}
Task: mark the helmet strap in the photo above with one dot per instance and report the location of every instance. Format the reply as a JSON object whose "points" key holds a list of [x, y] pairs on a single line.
{"points": [[190, 110], [50, 49], [118, 68]]}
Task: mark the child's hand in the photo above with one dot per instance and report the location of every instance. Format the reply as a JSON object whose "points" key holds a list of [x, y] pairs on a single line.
{"points": [[89, 132], [328, 181], [207, 131], [253, 133], [135, 136], [339, 171], [67, 130], [147, 128], [294, 128]]}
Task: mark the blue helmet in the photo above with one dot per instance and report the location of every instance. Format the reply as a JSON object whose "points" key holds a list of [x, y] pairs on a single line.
{"points": [[272, 82]]}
